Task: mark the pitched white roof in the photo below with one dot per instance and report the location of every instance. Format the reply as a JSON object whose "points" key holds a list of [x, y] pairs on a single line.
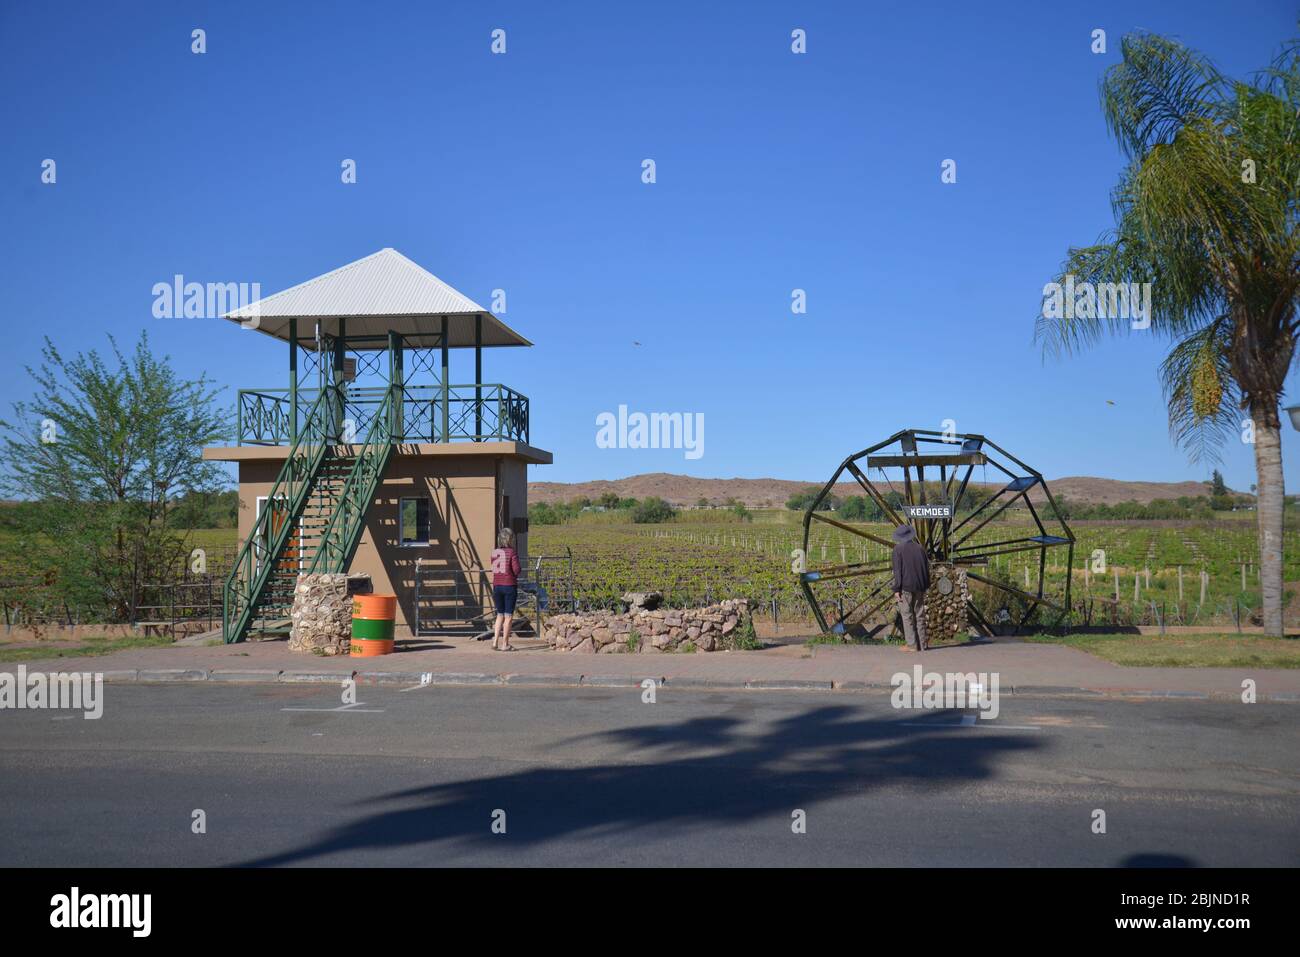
{"points": [[381, 292]]}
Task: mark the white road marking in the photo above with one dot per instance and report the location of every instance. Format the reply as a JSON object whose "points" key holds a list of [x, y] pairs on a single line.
{"points": [[346, 707]]}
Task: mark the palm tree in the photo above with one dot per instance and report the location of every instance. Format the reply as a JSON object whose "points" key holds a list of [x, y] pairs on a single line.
{"points": [[1206, 212]]}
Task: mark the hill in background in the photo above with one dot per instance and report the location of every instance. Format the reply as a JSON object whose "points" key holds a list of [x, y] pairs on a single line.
{"points": [[765, 492]]}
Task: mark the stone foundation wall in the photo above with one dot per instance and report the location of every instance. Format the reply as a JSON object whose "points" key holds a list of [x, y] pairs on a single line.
{"points": [[57, 632], [712, 628]]}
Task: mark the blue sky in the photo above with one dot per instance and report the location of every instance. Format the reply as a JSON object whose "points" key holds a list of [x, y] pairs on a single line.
{"points": [[522, 171]]}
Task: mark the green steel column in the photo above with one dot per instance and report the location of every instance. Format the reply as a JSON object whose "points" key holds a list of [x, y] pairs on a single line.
{"points": [[446, 385], [293, 381], [478, 378], [340, 353], [397, 382]]}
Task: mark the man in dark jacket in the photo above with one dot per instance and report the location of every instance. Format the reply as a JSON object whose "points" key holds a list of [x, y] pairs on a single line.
{"points": [[911, 579]]}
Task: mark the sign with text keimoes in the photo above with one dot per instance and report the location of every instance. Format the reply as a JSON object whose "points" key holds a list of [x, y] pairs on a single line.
{"points": [[931, 510]]}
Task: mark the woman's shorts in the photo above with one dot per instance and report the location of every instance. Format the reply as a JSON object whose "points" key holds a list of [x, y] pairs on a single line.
{"points": [[503, 596]]}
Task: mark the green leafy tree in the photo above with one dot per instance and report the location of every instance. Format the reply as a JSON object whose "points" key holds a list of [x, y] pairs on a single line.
{"points": [[1205, 211], [101, 452], [205, 509], [800, 501], [542, 513], [652, 510], [854, 509], [1220, 500]]}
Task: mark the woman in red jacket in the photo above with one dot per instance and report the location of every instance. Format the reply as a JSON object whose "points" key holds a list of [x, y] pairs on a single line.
{"points": [[505, 588]]}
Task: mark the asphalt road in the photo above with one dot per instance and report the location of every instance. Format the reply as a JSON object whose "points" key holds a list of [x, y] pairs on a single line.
{"points": [[595, 776]]}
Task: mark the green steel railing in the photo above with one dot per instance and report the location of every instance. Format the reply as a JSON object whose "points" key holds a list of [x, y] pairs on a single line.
{"points": [[474, 412], [256, 560], [262, 417], [343, 530]]}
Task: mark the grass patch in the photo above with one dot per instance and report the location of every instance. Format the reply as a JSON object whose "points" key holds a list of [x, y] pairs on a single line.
{"points": [[829, 639], [744, 638], [1184, 651], [822, 640], [89, 648]]}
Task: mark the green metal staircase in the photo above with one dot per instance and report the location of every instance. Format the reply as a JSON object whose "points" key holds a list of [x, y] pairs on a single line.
{"points": [[341, 530], [314, 515]]}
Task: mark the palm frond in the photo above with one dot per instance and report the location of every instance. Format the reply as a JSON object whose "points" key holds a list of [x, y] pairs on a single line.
{"points": [[1203, 397], [1282, 76], [1149, 95], [1109, 260]]}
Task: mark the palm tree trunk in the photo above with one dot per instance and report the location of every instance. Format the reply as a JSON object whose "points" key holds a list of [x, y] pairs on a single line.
{"points": [[1268, 510]]}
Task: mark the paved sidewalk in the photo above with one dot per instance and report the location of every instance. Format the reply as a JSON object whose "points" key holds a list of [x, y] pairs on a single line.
{"points": [[1023, 668]]}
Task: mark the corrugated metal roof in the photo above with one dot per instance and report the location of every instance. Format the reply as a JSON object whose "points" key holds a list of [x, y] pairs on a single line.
{"points": [[381, 292]]}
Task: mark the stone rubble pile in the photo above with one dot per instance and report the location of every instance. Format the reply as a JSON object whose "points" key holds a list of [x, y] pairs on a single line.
{"points": [[321, 618], [945, 603], [646, 628]]}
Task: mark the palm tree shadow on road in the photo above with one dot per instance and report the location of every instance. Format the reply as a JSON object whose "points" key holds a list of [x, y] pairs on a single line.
{"points": [[696, 771]]}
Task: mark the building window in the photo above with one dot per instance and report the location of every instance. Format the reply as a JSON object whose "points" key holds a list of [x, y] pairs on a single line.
{"points": [[413, 520]]}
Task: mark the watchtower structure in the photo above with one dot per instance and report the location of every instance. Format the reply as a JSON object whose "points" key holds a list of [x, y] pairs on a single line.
{"points": [[371, 459]]}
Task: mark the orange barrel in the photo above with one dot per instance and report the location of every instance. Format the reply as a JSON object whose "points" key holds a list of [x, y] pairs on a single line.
{"points": [[369, 648], [374, 607], [372, 625]]}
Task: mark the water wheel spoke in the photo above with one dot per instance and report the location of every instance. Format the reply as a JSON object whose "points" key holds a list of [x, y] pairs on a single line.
{"points": [[844, 527], [886, 509], [1013, 590], [837, 572], [839, 622], [875, 608]]}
